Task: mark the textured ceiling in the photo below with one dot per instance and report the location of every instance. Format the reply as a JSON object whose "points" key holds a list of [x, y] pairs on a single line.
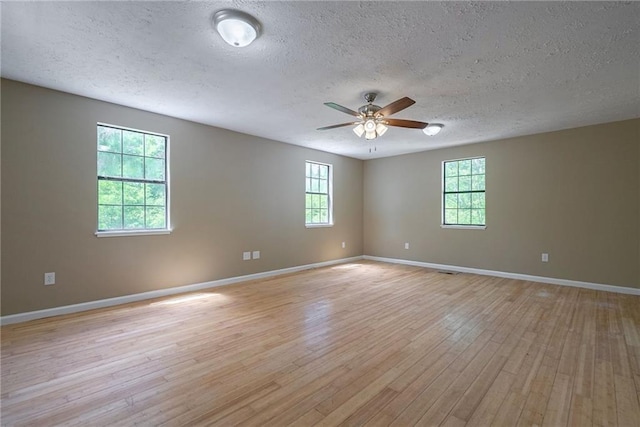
{"points": [[486, 70]]}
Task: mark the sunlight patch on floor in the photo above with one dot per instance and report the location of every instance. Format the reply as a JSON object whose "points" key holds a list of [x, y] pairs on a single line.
{"points": [[193, 297]]}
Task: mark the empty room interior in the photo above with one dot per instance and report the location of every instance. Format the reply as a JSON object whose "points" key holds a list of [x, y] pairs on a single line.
{"points": [[320, 213]]}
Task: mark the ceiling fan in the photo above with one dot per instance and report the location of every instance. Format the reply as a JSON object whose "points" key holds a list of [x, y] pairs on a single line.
{"points": [[373, 119]]}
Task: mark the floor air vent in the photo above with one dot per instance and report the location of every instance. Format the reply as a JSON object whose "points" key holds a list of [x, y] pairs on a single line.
{"points": [[452, 273]]}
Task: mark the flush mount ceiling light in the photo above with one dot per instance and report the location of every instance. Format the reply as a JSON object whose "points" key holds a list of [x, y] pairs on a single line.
{"points": [[373, 119], [433, 129], [237, 28]]}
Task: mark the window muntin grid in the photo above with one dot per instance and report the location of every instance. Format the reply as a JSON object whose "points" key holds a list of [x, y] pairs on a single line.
{"points": [[463, 198], [132, 179], [318, 194]]}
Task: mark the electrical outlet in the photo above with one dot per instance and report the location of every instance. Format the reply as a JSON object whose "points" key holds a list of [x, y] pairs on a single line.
{"points": [[246, 256], [545, 257], [344, 245], [256, 254], [406, 245], [49, 279]]}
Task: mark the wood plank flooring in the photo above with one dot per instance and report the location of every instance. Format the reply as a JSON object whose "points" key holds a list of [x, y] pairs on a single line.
{"points": [[355, 344]]}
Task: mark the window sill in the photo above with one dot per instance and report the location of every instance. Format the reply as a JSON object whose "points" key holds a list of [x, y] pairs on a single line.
{"points": [[465, 227], [318, 225], [131, 233]]}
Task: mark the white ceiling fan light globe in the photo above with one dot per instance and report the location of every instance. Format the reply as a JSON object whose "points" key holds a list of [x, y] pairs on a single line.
{"points": [[370, 126], [359, 130], [381, 129], [370, 135], [236, 28]]}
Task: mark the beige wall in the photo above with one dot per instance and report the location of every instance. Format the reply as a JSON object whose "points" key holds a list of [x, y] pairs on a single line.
{"points": [[229, 193], [574, 194]]}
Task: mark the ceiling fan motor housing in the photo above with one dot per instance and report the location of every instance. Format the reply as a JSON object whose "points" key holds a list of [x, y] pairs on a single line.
{"points": [[369, 110]]}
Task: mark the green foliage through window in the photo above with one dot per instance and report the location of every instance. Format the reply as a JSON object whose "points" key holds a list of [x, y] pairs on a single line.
{"points": [[318, 194], [132, 180], [464, 192]]}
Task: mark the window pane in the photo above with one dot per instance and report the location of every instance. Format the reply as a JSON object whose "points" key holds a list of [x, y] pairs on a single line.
{"points": [[466, 179], [109, 192], [132, 167], [132, 143], [133, 193], [451, 184], [464, 183], [451, 201], [464, 167], [464, 216], [129, 155], [155, 194], [155, 217], [478, 182], [464, 201], [477, 166], [109, 139], [477, 200], [109, 164], [134, 217], [450, 216], [477, 216], [451, 169], [154, 146], [154, 169], [109, 217], [317, 188]]}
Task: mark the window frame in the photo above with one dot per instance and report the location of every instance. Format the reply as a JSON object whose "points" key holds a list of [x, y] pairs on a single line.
{"points": [[443, 195], [329, 193], [167, 179]]}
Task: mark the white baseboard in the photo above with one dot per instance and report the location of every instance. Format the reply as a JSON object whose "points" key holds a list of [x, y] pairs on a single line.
{"points": [[75, 308], [527, 277]]}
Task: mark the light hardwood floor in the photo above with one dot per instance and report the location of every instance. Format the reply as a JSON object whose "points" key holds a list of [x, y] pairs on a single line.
{"points": [[362, 343]]}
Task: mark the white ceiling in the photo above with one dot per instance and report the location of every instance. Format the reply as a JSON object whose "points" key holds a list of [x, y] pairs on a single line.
{"points": [[486, 70]]}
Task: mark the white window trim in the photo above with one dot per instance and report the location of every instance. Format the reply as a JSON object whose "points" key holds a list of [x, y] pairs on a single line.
{"points": [[464, 227], [330, 190], [318, 225], [458, 226], [119, 233], [143, 232]]}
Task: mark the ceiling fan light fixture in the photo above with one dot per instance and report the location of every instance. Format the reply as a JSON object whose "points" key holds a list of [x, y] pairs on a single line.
{"points": [[370, 126], [381, 129], [359, 130], [370, 135], [236, 28], [433, 129]]}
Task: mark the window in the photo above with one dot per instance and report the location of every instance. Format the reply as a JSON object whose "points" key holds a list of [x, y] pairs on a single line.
{"points": [[318, 194], [463, 197], [132, 180]]}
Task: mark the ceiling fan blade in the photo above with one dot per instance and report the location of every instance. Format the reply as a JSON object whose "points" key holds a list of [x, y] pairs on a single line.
{"points": [[396, 106], [338, 126], [341, 108], [406, 123]]}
